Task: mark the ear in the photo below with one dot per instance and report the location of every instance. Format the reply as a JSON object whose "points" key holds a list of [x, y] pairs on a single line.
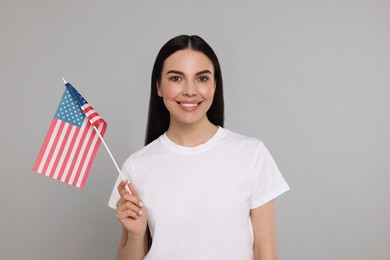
{"points": [[159, 93]]}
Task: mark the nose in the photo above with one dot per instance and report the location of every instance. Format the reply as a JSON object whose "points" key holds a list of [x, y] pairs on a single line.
{"points": [[189, 89]]}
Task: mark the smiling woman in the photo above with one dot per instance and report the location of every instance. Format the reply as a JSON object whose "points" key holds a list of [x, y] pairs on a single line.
{"points": [[159, 118], [199, 191], [187, 87]]}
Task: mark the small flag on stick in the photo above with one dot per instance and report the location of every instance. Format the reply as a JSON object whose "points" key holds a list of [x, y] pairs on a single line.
{"points": [[72, 141]]}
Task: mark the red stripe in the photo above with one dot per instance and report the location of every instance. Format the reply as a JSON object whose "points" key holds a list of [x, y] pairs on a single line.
{"points": [[92, 157], [89, 140], [51, 153], [93, 115], [89, 163], [44, 146], [61, 150], [76, 155], [66, 159], [98, 122], [88, 108]]}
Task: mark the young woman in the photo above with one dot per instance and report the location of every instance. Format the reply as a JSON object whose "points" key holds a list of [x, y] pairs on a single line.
{"points": [[199, 191]]}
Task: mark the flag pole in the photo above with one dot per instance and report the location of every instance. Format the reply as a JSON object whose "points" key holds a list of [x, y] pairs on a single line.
{"points": [[108, 150]]}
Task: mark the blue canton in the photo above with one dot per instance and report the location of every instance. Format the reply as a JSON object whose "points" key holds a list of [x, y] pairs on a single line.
{"points": [[69, 110]]}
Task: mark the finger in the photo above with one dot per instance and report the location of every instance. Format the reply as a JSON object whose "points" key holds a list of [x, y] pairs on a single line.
{"points": [[121, 187], [133, 199], [133, 191], [129, 198], [130, 206], [120, 202], [126, 214]]}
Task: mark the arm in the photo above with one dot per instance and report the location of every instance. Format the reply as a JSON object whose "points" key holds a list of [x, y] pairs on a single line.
{"points": [[132, 247], [132, 216], [263, 223]]}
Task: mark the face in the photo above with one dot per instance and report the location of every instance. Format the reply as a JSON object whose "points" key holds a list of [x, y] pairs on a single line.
{"points": [[187, 86]]}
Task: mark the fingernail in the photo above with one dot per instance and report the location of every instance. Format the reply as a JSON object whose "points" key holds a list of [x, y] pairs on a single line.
{"points": [[140, 213], [141, 204]]}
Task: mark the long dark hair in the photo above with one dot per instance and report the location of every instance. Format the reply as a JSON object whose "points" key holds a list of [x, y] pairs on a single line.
{"points": [[158, 116]]}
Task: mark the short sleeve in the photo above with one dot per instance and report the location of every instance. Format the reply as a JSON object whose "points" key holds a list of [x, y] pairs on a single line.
{"points": [[126, 172], [268, 181]]}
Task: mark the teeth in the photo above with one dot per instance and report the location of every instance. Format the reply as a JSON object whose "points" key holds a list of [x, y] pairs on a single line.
{"points": [[188, 105]]}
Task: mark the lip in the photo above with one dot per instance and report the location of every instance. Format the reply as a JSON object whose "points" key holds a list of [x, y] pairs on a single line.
{"points": [[189, 105]]}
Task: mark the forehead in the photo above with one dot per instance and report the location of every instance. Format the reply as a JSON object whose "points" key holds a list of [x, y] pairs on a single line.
{"points": [[187, 61]]}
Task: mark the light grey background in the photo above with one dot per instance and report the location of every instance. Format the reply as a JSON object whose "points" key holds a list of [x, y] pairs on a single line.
{"points": [[309, 78]]}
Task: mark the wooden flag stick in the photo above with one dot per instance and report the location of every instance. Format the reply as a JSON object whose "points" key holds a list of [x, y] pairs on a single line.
{"points": [[108, 150]]}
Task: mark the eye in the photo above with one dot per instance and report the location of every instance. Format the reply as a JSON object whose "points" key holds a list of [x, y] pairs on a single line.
{"points": [[203, 78], [175, 78]]}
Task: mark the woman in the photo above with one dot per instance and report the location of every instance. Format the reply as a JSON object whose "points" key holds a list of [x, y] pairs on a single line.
{"points": [[199, 191]]}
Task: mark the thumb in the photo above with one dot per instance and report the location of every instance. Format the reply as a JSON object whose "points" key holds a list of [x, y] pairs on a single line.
{"points": [[132, 189], [122, 187]]}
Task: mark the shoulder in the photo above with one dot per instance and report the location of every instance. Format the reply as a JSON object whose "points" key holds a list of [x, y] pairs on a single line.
{"points": [[147, 151], [241, 141]]}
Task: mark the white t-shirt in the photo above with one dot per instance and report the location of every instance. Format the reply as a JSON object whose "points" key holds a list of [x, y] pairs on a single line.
{"points": [[198, 199]]}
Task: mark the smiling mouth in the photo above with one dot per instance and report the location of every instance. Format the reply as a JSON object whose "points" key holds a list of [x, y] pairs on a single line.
{"points": [[189, 104]]}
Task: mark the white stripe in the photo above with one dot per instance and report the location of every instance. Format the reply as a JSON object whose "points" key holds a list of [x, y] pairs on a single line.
{"points": [[65, 151], [76, 143], [93, 120], [85, 106], [80, 156], [49, 145], [55, 153], [90, 150], [90, 112]]}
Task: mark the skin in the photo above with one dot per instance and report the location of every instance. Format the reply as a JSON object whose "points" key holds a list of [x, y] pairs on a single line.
{"points": [[187, 87], [188, 76], [263, 223]]}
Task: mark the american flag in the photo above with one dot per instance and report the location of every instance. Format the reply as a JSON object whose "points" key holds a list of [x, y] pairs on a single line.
{"points": [[71, 143]]}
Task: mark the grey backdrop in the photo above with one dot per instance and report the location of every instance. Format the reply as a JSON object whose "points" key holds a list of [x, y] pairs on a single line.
{"points": [[309, 78]]}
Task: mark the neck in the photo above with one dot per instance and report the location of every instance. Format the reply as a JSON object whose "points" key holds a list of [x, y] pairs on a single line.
{"points": [[191, 135]]}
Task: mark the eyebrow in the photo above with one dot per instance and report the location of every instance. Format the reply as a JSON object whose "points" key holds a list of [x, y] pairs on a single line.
{"points": [[181, 73]]}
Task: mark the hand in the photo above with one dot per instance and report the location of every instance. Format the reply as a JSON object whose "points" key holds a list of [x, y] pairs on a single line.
{"points": [[130, 211]]}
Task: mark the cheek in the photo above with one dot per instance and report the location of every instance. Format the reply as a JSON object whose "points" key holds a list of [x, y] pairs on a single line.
{"points": [[208, 91], [167, 91]]}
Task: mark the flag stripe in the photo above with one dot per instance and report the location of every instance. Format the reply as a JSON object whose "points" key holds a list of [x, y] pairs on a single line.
{"points": [[66, 176], [81, 157], [86, 158], [51, 146], [102, 130], [51, 136], [76, 150], [63, 151], [99, 121], [45, 143], [92, 115], [57, 151], [70, 150]]}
